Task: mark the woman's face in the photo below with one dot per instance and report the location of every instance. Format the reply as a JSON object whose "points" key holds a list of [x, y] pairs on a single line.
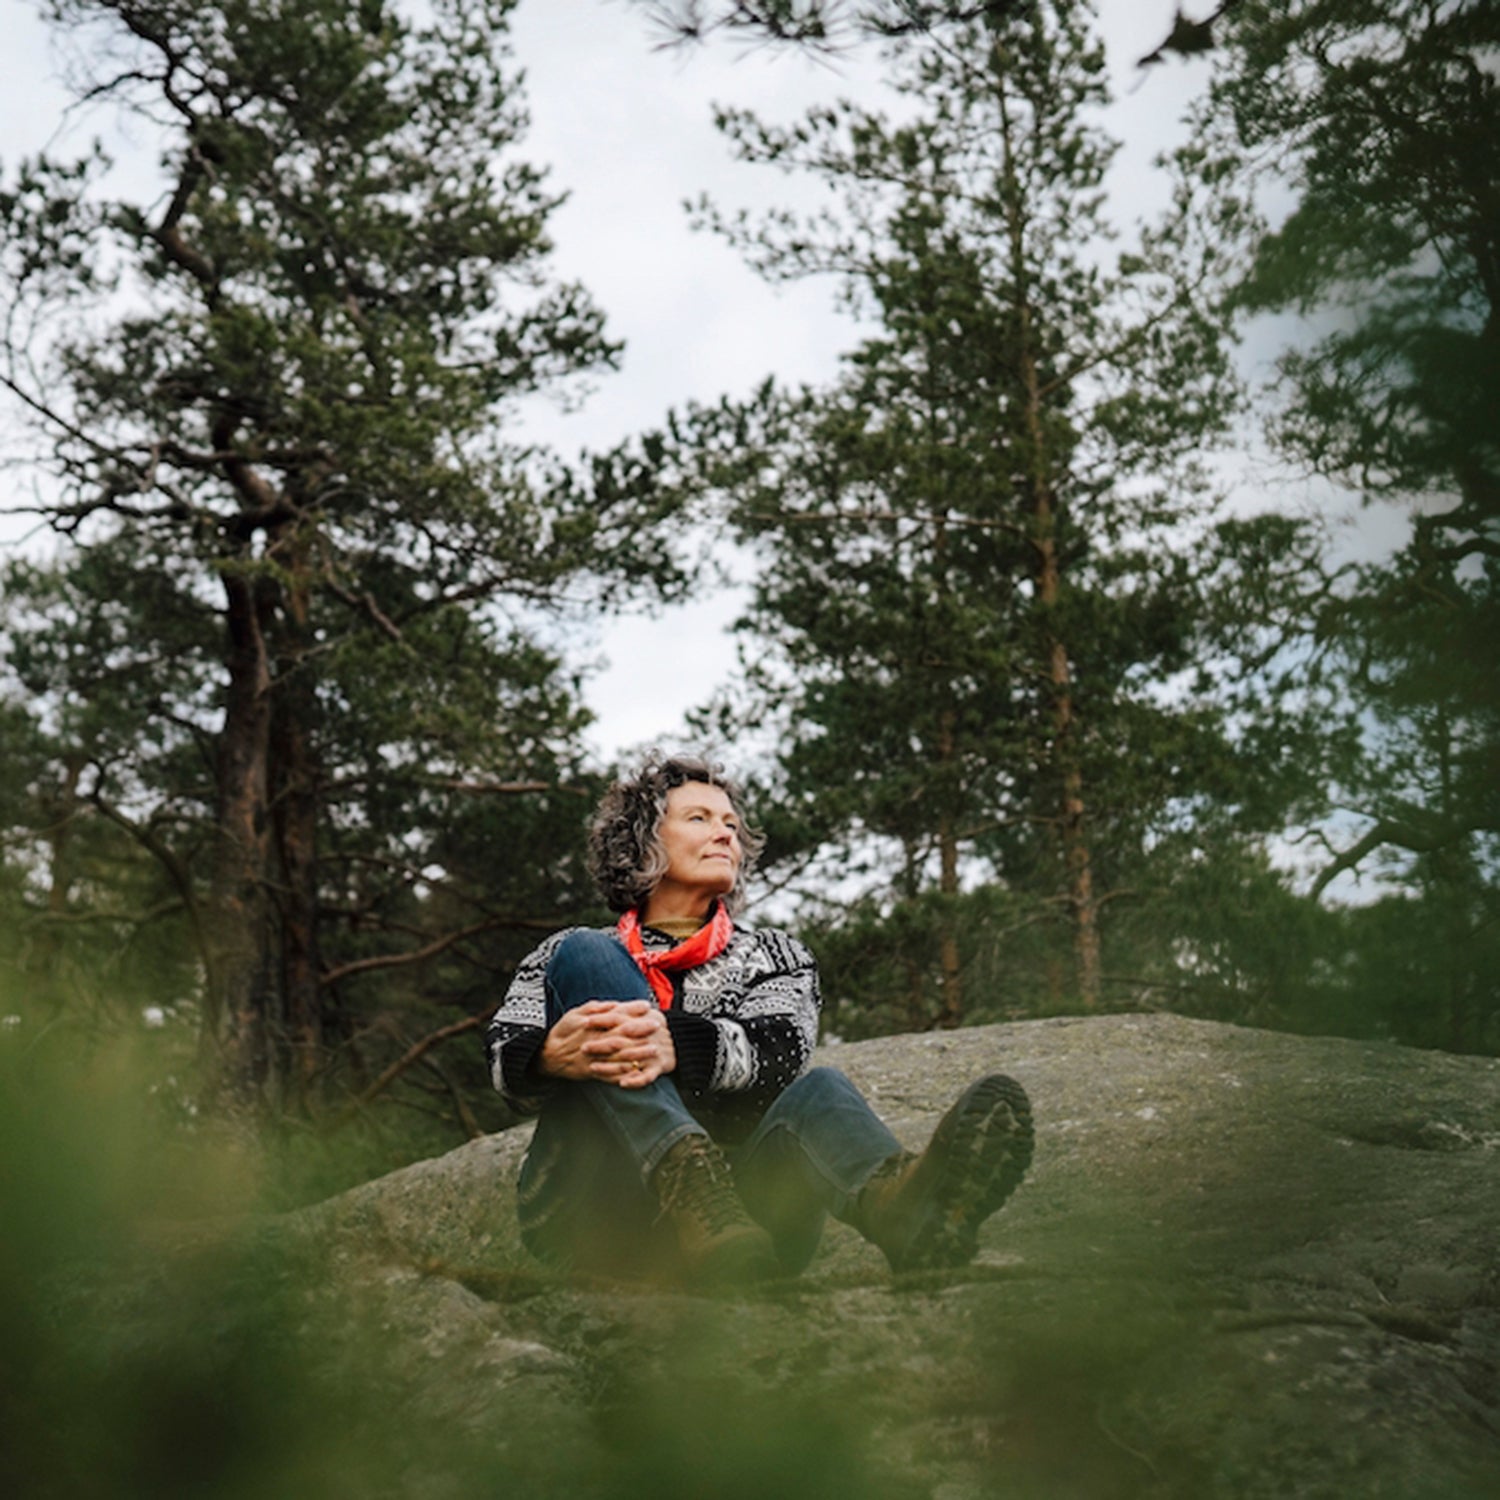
{"points": [[700, 836]]}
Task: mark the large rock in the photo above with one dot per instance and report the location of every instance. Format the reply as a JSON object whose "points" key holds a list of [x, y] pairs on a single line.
{"points": [[1243, 1264]]}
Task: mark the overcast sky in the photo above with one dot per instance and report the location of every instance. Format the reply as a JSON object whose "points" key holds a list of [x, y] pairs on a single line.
{"points": [[625, 128]]}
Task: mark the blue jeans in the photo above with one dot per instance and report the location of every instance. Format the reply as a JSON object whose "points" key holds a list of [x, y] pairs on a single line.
{"points": [[585, 1199]]}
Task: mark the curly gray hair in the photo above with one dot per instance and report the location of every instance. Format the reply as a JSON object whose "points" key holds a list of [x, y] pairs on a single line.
{"points": [[626, 858]]}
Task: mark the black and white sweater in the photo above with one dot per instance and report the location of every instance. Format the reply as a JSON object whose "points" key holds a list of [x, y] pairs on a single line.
{"points": [[742, 1024]]}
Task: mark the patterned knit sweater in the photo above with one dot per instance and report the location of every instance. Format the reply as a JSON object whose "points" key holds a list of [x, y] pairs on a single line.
{"points": [[742, 1025]]}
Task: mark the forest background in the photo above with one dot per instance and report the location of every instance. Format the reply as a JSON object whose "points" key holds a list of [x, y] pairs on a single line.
{"points": [[1112, 543]]}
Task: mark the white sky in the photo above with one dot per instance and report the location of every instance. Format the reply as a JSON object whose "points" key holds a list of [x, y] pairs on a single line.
{"points": [[626, 130]]}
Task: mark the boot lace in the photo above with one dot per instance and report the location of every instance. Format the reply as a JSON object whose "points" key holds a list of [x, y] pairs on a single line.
{"points": [[700, 1187]]}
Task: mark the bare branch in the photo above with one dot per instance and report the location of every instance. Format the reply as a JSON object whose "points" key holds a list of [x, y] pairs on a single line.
{"points": [[502, 788], [169, 236], [364, 604], [56, 419], [472, 1128], [416, 1052], [167, 857], [868, 517], [412, 956]]}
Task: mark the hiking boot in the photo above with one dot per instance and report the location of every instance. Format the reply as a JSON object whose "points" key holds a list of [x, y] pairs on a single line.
{"points": [[720, 1242], [924, 1211]]}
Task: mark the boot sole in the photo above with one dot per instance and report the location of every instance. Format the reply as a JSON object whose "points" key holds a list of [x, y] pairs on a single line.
{"points": [[978, 1156]]}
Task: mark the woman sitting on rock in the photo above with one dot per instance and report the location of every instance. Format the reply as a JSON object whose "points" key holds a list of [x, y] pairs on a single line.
{"points": [[680, 1130]]}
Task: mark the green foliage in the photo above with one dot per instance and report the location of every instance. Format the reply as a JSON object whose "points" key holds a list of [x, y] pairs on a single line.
{"points": [[1218, 687], [162, 1338], [1422, 969], [834, 26], [882, 964], [135, 1364]]}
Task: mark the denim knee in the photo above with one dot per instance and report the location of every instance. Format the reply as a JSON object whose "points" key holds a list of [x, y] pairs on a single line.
{"points": [[586, 946], [818, 1091], [825, 1084], [833, 1128], [591, 965]]}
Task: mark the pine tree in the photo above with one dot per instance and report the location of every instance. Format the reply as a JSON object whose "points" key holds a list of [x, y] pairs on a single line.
{"points": [[994, 592], [295, 539]]}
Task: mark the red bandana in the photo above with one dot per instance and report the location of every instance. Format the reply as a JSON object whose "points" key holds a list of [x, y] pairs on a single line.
{"points": [[708, 942]]}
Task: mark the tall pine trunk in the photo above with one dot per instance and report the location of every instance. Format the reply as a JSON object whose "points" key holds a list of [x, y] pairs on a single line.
{"points": [[263, 1030], [951, 1013], [1054, 665], [295, 772], [1058, 675], [236, 1055]]}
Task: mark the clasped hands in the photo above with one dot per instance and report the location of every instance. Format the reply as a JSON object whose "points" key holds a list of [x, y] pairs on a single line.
{"points": [[625, 1042]]}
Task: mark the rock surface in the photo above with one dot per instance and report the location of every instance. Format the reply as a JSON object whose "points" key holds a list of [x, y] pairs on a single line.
{"points": [[1244, 1264]]}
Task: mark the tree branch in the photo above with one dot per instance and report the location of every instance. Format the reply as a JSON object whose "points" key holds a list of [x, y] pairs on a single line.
{"points": [[501, 788], [176, 870], [1386, 831], [416, 1052], [365, 604], [866, 517], [412, 956]]}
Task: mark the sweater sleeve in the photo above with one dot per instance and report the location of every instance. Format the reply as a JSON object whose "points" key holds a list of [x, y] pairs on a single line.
{"points": [[517, 1030], [759, 1037], [695, 1040]]}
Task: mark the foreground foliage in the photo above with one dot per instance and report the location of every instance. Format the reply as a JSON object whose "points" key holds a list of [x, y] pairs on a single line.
{"points": [[1245, 1266], [291, 773], [1383, 119]]}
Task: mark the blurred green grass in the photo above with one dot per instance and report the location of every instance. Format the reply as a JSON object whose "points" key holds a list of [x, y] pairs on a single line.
{"points": [[158, 1337]]}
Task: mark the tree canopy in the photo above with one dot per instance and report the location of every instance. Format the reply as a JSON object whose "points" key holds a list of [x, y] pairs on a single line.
{"points": [[999, 618], [285, 646]]}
